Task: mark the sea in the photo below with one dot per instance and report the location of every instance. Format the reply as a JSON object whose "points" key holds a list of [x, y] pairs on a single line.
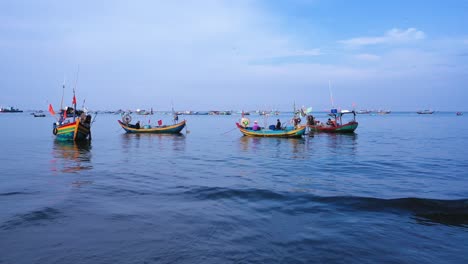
{"points": [[395, 191]]}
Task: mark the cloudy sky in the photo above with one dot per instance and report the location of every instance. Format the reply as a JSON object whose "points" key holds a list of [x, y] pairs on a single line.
{"points": [[203, 55]]}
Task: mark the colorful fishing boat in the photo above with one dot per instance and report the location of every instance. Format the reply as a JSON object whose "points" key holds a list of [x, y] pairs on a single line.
{"points": [[72, 124], [287, 132], [160, 129], [336, 125], [73, 129]]}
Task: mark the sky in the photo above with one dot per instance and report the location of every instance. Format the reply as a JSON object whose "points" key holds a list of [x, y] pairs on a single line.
{"points": [[232, 55]]}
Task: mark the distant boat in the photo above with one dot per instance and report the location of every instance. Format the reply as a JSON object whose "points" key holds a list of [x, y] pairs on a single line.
{"points": [[10, 110], [39, 115], [425, 112], [459, 113], [336, 125], [363, 112], [383, 112], [160, 129]]}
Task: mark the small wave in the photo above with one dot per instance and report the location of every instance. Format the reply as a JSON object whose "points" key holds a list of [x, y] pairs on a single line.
{"points": [[449, 212], [15, 193], [33, 218], [216, 193]]}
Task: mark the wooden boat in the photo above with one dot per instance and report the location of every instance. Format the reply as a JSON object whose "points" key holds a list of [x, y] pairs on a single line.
{"points": [[167, 129], [336, 125], [72, 124], [282, 133], [77, 130]]}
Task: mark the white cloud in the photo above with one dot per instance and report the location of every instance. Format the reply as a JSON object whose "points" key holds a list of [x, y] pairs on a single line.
{"points": [[392, 36], [367, 57]]}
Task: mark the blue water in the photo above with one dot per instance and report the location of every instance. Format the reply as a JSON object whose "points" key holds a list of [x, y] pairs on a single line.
{"points": [[394, 192]]}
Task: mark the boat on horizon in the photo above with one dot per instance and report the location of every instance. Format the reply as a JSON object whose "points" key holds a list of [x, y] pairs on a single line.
{"points": [[425, 112], [10, 109], [459, 113], [383, 112], [38, 114], [363, 112]]}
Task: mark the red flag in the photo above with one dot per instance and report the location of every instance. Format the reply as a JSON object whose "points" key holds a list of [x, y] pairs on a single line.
{"points": [[64, 114], [159, 122], [74, 100], [51, 110]]}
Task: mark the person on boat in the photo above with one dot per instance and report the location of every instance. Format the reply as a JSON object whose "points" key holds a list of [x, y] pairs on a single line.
{"points": [[278, 125], [137, 125], [310, 120], [297, 121], [176, 118], [331, 123], [87, 121], [255, 126]]}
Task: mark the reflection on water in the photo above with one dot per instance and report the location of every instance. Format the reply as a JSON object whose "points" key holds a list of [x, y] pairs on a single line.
{"points": [[71, 157], [158, 141], [292, 146], [341, 142]]}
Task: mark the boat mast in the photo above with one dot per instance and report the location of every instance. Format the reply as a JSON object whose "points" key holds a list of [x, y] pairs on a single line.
{"points": [[331, 94], [74, 98]]}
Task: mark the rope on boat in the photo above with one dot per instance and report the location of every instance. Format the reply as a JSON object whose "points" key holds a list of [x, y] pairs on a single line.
{"points": [[229, 131]]}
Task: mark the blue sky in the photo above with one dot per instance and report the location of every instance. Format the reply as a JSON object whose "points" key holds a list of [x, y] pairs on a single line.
{"points": [[203, 55]]}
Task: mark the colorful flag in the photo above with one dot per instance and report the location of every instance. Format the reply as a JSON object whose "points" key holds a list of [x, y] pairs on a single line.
{"points": [[64, 114], [74, 100], [51, 110], [159, 122]]}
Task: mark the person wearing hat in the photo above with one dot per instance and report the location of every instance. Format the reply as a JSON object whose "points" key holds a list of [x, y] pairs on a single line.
{"points": [[255, 126]]}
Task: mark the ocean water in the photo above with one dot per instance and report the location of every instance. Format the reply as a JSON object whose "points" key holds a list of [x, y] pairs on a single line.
{"points": [[396, 191]]}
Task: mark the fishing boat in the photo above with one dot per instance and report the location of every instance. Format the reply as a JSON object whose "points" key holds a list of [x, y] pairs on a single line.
{"points": [[459, 113], [384, 112], [365, 111], [74, 128], [72, 124], [160, 129], [287, 132], [39, 115], [335, 123], [10, 110], [425, 112]]}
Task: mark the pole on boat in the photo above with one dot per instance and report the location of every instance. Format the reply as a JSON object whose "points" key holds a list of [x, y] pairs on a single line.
{"points": [[63, 92], [74, 98]]}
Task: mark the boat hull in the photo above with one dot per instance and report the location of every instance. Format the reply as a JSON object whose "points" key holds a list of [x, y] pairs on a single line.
{"points": [[294, 133], [172, 129], [346, 128], [74, 131]]}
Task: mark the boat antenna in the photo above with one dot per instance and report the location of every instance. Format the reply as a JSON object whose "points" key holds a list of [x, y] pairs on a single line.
{"points": [[63, 92], [331, 94], [74, 97], [294, 108]]}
